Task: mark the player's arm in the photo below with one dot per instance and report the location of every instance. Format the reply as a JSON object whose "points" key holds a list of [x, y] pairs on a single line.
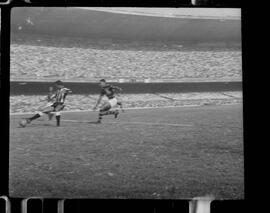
{"points": [[98, 101], [67, 91], [52, 98]]}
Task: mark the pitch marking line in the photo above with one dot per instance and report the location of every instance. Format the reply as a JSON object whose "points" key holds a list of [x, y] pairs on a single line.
{"points": [[140, 123], [232, 96]]}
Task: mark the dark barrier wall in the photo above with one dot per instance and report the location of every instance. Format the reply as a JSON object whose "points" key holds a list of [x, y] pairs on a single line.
{"points": [[41, 88], [100, 24]]}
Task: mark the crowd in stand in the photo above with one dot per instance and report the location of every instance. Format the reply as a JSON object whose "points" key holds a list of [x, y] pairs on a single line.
{"points": [[45, 57]]}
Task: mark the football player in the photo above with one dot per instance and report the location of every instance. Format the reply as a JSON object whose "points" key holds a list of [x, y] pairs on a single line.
{"points": [[56, 106], [110, 92]]}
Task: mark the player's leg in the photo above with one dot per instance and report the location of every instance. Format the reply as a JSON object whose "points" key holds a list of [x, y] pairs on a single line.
{"points": [[58, 118], [39, 114], [34, 117], [50, 116], [120, 104], [50, 113], [57, 110], [114, 102], [104, 110]]}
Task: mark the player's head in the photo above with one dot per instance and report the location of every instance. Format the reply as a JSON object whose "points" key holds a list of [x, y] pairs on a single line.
{"points": [[102, 82], [59, 84]]}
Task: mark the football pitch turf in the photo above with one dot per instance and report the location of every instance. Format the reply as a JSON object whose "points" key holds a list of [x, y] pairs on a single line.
{"points": [[165, 153]]}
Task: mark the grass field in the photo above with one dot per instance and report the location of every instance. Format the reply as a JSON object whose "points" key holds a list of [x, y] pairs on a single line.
{"points": [[177, 153]]}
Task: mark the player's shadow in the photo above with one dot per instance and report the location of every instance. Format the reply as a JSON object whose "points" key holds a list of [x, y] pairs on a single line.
{"points": [[53, 125], [93, 122], [37, 125], [81, 122]]}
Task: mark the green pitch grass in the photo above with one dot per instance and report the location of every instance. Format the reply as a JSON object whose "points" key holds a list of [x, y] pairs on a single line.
{"points": [[172, 153]]}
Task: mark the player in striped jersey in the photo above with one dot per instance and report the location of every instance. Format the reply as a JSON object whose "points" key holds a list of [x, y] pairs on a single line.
{"points": [[56, 106], [109, 91]]}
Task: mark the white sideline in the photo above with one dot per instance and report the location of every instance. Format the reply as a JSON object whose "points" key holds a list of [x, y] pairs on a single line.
{"points": [[130, 108]]}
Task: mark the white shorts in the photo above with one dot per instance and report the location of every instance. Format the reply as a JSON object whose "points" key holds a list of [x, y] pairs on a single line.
{"points": [[45, 107], [113, 102]]}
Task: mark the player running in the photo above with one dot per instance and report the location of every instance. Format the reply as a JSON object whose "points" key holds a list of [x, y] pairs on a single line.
{"points": [[56, 106], [110, 91]]}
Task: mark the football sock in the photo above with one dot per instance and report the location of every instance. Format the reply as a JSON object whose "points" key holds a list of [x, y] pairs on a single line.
{"points": [[110, 112], [57, 120], [105, 113], [102, 113], [34, 117], [99, 116], [116, 112]]}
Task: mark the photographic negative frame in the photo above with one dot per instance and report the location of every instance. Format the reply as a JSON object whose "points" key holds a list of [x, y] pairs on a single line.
{"points": [[74, 120]]}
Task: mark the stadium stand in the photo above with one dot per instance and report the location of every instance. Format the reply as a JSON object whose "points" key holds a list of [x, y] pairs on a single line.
{"points": [[36, 57], [125, 43]]}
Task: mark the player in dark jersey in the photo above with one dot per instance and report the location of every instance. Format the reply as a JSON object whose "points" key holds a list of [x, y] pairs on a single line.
{"points": [[56, 106], [109, 91]]}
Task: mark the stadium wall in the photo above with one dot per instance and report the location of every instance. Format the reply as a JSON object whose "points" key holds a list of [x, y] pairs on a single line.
{"points": [[41, 88], [127, 25]]}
